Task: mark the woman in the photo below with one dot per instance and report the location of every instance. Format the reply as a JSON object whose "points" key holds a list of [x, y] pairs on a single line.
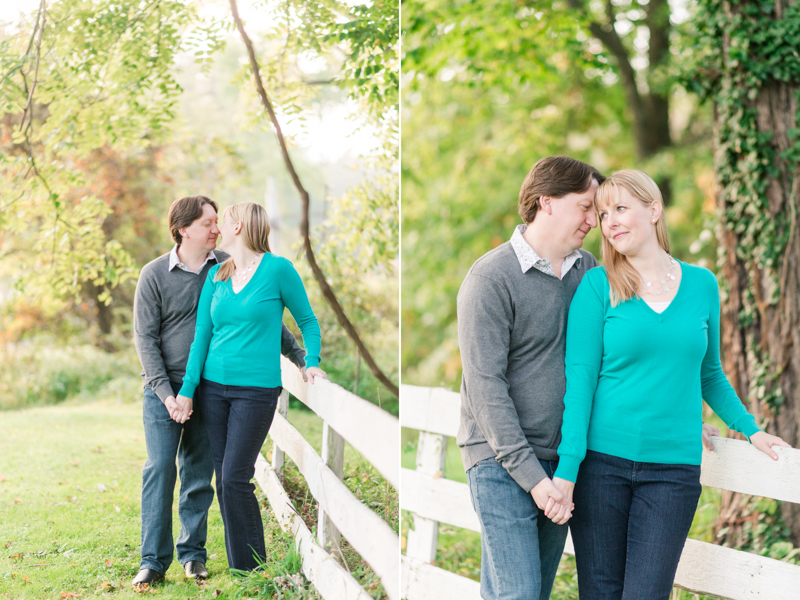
{"points": [[234, 366], [642, 353]]}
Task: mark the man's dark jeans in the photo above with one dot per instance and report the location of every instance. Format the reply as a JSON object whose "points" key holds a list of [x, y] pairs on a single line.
{"points": [[629, 526], [238, 419], [165, 440], [520, 547]]}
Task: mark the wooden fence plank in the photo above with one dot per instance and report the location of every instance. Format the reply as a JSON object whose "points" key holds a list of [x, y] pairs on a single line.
{"points": [[431, 454], [277, 453], [737, 466], [369, 429], [438, 499], [735, 575], [330, 579], [422, 581], [370, 535], [435, 410], [333, 456]]}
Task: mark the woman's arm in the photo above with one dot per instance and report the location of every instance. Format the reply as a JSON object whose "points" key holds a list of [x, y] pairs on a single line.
{"points": [[583, 359], [202, 339], [715, 387], [295, 299]]}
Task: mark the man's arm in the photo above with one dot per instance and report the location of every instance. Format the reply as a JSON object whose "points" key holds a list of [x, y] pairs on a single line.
{"points": [[147, 335], [485, 320], [291, 349]]}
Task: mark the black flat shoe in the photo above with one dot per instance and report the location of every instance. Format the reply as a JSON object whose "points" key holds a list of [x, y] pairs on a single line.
{"points": [[146, 578], [195, 569]]}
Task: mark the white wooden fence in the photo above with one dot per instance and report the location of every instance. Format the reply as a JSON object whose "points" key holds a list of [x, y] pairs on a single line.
{"points": [[704, 568], [376, 435]]}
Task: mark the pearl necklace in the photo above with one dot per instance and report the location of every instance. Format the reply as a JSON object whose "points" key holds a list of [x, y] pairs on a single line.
{"points": [[650, 288], [243, 276]]}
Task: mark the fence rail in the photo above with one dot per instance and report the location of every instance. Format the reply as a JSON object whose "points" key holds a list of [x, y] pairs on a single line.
{"points": [[704, 568], [375, 434]]}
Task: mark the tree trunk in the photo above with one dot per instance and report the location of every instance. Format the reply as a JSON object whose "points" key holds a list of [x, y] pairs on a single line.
{"points": [[760, 327]]}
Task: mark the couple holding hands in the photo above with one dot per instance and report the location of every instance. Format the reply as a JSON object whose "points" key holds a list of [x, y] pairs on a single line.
{"points": [[209, 333], [583, 389]]}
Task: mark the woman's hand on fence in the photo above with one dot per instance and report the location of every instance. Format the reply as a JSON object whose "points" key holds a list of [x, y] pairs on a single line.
{"points": [[184, 409], [312, 372], [764, 442], [708, 431]]}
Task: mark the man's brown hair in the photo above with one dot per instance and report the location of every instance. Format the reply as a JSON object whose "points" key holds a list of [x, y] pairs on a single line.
{"points": [[554, 176], [186, 211]]}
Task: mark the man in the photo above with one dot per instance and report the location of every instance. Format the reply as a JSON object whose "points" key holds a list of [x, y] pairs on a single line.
{"points": [[164, 310], [512, 317]]}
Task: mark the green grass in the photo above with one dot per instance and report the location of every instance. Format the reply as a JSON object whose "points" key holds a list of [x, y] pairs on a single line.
{"points": [[70, 481]]}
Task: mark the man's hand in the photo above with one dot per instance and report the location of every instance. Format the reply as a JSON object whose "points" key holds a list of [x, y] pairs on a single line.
{"points": [[708, 431], [312, 372], [303, 373], [560, 514], [764, 442], [184, 409], [546, 495], [172, 408]]}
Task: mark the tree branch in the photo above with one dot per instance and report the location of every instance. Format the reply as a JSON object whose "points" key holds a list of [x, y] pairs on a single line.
{"points": [[346, 324], [40, 21]]}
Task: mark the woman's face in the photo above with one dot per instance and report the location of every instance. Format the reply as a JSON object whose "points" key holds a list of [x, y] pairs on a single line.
{"points": [[227, 231], [628, 223]]}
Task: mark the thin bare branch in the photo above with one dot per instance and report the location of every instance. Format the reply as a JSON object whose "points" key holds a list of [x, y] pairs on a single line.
{"points": [[346, 324], [40, 23]]}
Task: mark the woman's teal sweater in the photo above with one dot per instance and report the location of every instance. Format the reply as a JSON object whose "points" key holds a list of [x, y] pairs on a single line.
{"points": [[636, 379], [237, 339]]}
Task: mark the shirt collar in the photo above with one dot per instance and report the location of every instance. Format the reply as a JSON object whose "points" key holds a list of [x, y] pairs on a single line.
{"points": [[528, 258], [175, 261]]}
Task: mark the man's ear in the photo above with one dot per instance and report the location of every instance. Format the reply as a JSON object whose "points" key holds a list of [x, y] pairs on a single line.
{"points": [[545, 204]]}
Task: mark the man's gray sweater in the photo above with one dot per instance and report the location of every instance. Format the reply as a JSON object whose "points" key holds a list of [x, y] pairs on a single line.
{"points": [[512, 334], [164, 315]]}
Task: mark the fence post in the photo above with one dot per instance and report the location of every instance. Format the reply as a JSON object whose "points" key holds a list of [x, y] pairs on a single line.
{"points": [[278, 454], [431, 456], [333, 456]]}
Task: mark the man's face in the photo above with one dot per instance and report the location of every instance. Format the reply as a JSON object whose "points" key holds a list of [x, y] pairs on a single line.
{"points": [[574, 216], [203, 232]]}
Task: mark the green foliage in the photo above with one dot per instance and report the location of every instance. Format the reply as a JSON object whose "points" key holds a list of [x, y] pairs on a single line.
{"points": [[40, 373]]}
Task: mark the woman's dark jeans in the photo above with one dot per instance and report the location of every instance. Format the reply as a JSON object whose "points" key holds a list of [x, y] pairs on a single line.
{"points": [[238, 419], [629, 526]]}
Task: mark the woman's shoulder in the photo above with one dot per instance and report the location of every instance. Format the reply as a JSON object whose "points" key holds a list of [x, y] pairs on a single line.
{"points": [[702, 276], [595, 277]]}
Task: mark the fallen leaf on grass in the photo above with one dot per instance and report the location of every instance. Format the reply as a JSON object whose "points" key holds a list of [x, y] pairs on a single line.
{"points": [[98, 450], [107, 586], [69, 594], [17, 500], [116, 508], [26, 580], [108, 563], [75, 462], [101, 487], [2, 478]]}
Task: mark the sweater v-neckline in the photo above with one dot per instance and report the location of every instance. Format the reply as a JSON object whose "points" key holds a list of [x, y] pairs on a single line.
{"points": [[249, 281], [678, 294]]}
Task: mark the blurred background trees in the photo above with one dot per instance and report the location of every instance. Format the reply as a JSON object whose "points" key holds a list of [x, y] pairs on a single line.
{"points": [[110, 111]]}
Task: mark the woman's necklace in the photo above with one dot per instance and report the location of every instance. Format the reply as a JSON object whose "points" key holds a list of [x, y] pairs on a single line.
{"points": [[651, 288], [242, 276]]}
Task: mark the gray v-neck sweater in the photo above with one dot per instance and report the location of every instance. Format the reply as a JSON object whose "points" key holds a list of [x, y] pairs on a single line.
{"points": [[512, 335]]}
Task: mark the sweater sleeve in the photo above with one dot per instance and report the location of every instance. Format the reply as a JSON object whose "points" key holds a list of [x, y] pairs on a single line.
{"points": [[716, 388], [485, 319], [291, 349], [295, 299], [202, 338], [147, 334], [584, 357]]}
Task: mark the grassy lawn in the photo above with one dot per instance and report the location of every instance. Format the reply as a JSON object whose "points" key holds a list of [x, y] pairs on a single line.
{"points": [[459, 550], [70, 481]]}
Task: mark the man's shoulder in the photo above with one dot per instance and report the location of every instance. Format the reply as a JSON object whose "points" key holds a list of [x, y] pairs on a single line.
{"points": [[588, 261], [155, 268], [221, 256], [495, 262]]}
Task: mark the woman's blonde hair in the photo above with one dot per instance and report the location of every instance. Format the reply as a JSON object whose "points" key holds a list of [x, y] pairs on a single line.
{"points": [[255, 232], [623, 279]]}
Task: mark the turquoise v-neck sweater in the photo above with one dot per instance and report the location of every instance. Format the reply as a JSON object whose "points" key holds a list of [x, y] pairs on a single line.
{"points": [[636, 379], [237, 339]]}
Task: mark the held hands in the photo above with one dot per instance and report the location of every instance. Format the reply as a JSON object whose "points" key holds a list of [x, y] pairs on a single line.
{"points": [[708, 431], [764, 442], [550, 499], [180, 409]]}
